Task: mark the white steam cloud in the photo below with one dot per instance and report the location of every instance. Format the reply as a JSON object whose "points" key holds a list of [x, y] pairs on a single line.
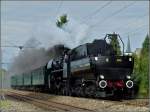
{"points": [[47, 38], [71, 34]]}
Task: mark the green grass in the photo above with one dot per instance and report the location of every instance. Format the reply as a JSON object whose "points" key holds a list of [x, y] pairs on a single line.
{"points": [[4, 104]]}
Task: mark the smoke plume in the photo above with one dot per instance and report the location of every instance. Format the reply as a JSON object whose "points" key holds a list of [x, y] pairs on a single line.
{"points": [[32, 56]]}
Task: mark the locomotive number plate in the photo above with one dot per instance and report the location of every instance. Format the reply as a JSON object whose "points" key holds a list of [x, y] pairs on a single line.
{"points": [[119, 60]]}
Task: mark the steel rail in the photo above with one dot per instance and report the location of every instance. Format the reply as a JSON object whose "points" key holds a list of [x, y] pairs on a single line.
{"points": [[51, 104]]}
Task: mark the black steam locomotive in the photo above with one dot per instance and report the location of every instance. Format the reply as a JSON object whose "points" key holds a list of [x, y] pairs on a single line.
{"points": [[89, 70]]}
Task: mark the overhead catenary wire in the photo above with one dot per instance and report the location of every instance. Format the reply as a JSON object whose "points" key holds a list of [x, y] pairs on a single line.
{"points": [[113, 14], [6, 63], [130, 23], [16, 46], [11, 43], [136, 30], [59, 7], [89, 16]]}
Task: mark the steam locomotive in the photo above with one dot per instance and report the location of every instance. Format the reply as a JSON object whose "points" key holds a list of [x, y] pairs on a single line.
{"points": [[89, 70]]}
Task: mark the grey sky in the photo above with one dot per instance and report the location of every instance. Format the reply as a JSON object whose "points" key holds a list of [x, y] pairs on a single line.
{"points": [[23, 20]]}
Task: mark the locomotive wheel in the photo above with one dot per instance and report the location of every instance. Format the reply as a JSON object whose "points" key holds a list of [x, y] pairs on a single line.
{"points": [[64, 91], [130, 94], [79, 92], [82, 91], [118, 94], [90, 91], [70, 93]]}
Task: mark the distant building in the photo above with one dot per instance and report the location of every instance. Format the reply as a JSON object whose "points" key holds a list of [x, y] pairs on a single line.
{"points": [[138, 51], [128, 50]]}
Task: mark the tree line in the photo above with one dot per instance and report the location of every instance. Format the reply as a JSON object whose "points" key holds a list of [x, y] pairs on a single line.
{"points": [[141, 68]]}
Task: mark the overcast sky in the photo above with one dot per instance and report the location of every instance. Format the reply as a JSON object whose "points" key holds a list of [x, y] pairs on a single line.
{"points": [[88, 20]]}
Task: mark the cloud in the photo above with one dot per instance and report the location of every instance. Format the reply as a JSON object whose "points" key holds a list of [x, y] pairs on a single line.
{"points": [[15, 30]]}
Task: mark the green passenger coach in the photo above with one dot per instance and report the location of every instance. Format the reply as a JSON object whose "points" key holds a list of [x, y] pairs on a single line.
{"points": [[37, 78]]}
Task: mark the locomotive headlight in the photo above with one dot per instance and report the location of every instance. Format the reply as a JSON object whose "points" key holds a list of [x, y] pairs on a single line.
{"points": [[130, 59], [96, 58], [129, 84], [101, 76], [107, 59], [102, 84], [128, 77]]}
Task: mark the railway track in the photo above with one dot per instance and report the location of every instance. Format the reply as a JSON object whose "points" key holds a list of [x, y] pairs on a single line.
{"points": [[49, 105], [132, 102], [54, 103]]}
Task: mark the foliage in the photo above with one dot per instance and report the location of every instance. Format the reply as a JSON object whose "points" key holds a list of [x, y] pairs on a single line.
{"points": [[62, 20], [2, 72], [115, 44], [145, 49], [141, 68], [4, 104]]}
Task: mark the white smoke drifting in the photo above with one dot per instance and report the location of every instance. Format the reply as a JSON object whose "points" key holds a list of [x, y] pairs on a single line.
{"points": [[52, 38], [71, 34]]}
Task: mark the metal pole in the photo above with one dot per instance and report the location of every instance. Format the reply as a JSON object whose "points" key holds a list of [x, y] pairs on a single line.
{"points": [[68, 75], [149, 64], [1, 71]]}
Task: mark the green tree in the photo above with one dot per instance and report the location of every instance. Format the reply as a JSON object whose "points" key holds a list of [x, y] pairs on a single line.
{"points": [[62, 20], [115, 43], [141, 68], [144, 68], [2, 76], [145, 47]]}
